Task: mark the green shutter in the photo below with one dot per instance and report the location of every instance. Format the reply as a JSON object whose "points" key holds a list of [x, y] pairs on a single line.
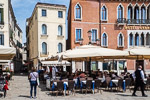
{"points": [[2, 14]]}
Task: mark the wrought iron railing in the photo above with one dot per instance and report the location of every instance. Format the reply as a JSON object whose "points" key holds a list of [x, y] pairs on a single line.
{"points": [[121, 20], [138, 21]]}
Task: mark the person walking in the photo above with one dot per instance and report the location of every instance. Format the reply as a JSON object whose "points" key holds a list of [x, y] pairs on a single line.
{"points": [[33, 81], [138, 76]]}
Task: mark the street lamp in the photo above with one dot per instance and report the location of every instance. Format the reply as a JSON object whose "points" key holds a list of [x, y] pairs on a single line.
{"points": [[98, 42], [81, 41], [89, 35]]}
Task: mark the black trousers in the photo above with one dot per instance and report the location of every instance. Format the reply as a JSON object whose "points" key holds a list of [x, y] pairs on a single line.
{"points": [[141, 85]]}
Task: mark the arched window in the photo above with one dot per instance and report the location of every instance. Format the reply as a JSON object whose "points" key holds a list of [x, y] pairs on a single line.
{"points": [[130, 12], [44, 29], [136, 14], [78, 11], [143, 14], [104, 13], [1, 39], [60, 48], [60, 30], [120, 40], [148, 39], [120, 12], [148, 12], [44, 48], [131, 39], [136, 39], [142, 39], [104, 39]]}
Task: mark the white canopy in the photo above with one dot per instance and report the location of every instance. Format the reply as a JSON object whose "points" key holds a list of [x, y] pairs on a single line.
{"points": [[7, 53], [139, 52], [55, 63], [94, 52]]}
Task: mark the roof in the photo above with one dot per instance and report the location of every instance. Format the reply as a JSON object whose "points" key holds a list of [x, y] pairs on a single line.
{"points": [[48, 4]]}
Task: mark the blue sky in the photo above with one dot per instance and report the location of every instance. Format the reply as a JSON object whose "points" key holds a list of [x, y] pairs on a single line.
{"points": [[24, 8]]}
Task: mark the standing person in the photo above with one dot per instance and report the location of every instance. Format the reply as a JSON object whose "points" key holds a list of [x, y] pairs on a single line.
{"points": [[138, 76], [33, 81], [54, 70]]}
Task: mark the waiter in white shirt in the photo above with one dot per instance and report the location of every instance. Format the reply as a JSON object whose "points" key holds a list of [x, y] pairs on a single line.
{"points": [[138, 76]]}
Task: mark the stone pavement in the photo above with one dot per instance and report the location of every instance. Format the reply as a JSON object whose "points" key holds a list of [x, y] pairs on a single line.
{"points": [[19, 90]]}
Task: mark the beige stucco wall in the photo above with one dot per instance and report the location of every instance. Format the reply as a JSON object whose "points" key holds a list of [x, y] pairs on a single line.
{"points": [[35, 32], [4, 29]]}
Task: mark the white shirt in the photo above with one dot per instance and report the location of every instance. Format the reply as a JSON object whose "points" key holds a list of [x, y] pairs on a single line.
{"points": [[34, 76], [141, 72]]}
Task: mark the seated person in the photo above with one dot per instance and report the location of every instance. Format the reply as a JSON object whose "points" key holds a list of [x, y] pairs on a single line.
{"points": [[82, 75]]}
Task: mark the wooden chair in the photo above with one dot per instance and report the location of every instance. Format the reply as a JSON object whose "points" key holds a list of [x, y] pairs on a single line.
{"points": [[98, 85], [71, 86], [128, 83]]}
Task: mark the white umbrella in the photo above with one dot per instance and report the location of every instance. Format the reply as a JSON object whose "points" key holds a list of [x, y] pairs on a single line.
{"points": [[139, 52], [93, 52], [7, 53]]}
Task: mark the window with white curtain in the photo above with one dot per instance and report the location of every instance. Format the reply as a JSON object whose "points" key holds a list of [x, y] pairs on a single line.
{"points": [[60, 48], [94, 35], [78, 11], [60, 30]]}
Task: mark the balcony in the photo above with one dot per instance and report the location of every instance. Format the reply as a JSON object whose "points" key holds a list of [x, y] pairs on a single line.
{"points": [[138, 21], [121, 21]]}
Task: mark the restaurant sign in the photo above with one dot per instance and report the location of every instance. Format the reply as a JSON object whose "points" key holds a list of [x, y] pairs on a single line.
{"points": [[137, 28]]}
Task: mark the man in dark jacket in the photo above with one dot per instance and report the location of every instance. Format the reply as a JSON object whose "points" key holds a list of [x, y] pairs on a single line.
{"points": [[138, 76]]}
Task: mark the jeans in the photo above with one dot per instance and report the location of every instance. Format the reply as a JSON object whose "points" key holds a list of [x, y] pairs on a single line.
{"points": [[33, 84]]}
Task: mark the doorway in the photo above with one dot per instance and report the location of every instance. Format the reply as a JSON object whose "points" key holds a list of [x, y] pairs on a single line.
{"points": [[140, 62]]}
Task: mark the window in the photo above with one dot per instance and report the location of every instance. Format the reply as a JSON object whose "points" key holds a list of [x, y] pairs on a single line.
{"points": [[60, 30], [142, 39], [78, 34], [18, 33], [60, 14], [136, 39], [130, 12], [1, 16], [136, 12], [143, 14], [120, 40], [105, 66], [94, 65], [44, 12], [78, 11], [1, 39], [148, 12], [147, 39], [121, 65], [44, 48], [94, 35], [44, 29], [104, 40], [131, 39], [120, 12], [60, 49], [104, 13]]}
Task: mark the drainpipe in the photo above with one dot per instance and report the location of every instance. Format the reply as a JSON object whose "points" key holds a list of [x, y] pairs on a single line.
{"points": [[100, 20]]}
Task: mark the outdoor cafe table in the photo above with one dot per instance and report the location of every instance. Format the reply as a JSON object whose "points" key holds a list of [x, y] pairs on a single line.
{"points": [[115, 81]]}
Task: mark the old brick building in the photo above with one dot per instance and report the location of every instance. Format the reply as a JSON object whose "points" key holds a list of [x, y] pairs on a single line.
{"points": [[118, 24]]}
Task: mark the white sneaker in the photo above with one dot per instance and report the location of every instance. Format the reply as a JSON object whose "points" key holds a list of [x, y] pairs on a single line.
{"points": [[34, 97]]}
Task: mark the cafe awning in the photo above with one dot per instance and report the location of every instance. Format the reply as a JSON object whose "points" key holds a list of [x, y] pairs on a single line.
{"points": [[55, 63], [7, 53]]}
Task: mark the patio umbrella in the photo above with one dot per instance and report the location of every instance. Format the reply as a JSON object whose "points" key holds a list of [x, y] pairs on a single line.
{"points": [[87, 52], [7, 53], [139, 53]]}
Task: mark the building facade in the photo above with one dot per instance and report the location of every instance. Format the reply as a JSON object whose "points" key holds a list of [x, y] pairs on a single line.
{"points": [[46, 31], [118, 24], [10, 32]]}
